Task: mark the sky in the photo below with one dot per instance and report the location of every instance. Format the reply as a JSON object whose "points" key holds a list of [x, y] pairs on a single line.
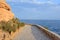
{"points": [[36, 9]]}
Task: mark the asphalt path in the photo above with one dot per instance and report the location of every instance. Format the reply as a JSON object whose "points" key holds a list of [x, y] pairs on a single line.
{"points": [[31, 33]]}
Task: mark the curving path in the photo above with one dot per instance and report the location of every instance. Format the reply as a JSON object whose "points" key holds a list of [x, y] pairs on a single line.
{"points": [[31, 33]]}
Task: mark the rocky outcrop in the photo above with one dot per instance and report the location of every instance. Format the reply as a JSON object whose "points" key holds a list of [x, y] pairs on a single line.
{"points": [[4, 35], [5, 15], [2, 0], [5, 6], [5, 12]]}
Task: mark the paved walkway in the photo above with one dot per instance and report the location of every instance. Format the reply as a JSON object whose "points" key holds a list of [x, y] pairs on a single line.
{"points": [[31, 33]]}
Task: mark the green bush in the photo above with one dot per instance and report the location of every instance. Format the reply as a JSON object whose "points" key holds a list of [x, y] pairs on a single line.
{"points": [[11, 25], [22, 24]]}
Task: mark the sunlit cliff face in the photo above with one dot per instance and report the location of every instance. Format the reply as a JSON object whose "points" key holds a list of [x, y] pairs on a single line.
{"points": [[2, 0], [5, 12]]}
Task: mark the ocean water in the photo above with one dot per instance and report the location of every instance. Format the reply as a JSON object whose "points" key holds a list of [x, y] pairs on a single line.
{"points": [[53, 25]]}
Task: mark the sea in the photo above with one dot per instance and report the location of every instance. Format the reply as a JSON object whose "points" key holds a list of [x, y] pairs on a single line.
{"points": [[53, 25]]}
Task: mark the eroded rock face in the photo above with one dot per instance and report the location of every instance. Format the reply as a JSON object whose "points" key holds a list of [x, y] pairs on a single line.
{"points": [[5, 15], [2, 0], [5, 6], [4, 35], [5, 12]]}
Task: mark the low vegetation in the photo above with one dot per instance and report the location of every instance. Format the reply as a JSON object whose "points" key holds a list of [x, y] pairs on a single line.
{"points": [[46, 27], [11, 25]]}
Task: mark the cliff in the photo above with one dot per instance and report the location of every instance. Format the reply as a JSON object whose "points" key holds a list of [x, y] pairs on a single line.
{"points": [[5, 12], [5, 15], [9, 25]]}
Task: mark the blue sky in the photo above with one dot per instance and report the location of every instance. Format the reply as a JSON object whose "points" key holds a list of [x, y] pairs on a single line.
{"points": [[36, 9]]}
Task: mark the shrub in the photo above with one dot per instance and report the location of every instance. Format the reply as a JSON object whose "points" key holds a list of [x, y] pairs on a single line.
{"points": [[11, 25], [22, 24]]}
